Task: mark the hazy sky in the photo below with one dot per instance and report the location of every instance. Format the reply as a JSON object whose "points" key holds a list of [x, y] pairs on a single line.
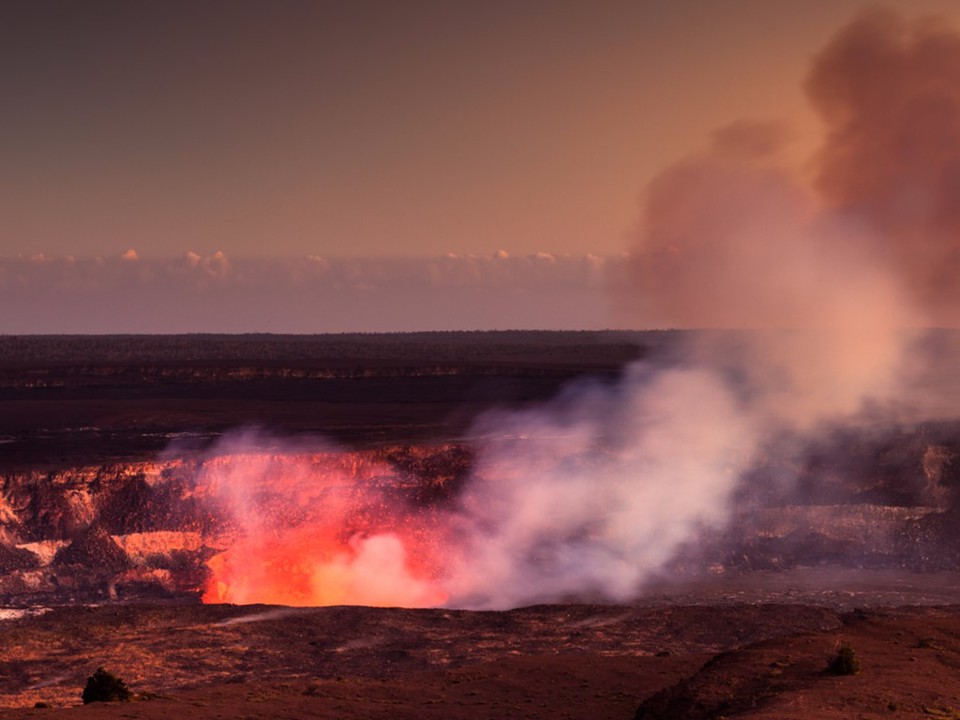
{"points": [[363, 128], [318, 132]]}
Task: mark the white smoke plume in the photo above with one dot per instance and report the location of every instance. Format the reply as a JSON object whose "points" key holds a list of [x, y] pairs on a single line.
{"points": [[597, 491], [591, 494], [594, 492], [825, 295]]}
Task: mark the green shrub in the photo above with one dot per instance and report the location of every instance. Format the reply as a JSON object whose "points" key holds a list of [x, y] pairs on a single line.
{"points": [[845, 663], [105, 687]]}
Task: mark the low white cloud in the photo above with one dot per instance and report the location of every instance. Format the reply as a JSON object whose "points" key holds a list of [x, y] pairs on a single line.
{"points": [[217, 293]]}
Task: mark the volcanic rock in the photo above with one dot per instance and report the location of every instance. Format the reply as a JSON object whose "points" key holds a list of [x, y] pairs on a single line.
{"points": [[93, 548]]}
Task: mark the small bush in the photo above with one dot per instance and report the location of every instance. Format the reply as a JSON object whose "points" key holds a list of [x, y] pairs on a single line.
{"points": [[845, 663], [105, 687]]}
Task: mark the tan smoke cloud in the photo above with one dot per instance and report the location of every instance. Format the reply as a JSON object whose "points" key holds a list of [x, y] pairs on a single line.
{"points": [[721, 230], [888, 92], [732, 238]]}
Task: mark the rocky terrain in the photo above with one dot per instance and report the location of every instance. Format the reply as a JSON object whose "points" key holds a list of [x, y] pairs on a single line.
{"points": [[149, 529], [120, 463], [724, 659], [91, 400]]}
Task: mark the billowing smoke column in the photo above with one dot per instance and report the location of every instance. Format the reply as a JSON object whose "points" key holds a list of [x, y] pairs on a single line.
{"points": [[587, 495], [732, 241], [595, 491], [731, 238], [889, 95], [592, 493]]}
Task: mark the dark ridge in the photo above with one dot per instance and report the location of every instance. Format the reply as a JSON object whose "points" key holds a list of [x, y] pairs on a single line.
{"points": [[430, 347], [14, 558], [93, 548], [136, 506]]}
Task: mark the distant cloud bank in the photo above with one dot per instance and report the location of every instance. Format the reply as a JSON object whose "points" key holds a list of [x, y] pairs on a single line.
{"points": [[193, 293]]}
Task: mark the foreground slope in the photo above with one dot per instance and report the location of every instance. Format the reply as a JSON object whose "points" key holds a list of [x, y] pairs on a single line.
{"points": [[693, 661]]}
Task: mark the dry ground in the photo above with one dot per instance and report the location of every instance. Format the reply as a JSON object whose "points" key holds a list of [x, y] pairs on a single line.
{"points": [[559, 661]]}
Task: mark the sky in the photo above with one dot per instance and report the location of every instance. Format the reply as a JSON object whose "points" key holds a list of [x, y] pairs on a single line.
{"points": [[389, 141]]}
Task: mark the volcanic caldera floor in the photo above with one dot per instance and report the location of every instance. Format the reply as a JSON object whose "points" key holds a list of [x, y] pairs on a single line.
{"points": [[690, 659]]}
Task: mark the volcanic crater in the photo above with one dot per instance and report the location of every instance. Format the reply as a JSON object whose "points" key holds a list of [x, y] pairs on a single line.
{"points": [[125, 542]]}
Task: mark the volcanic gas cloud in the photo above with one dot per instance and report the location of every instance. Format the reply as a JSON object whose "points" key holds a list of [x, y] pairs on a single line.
{"points": [[588, 494], [596, 490], [316, 529]]}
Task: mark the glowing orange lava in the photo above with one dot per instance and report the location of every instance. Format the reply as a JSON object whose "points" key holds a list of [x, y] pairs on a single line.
{"points": [[316, 530]]}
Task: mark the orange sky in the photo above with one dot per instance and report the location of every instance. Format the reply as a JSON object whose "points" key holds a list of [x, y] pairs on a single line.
{"points": [[375, 129]]}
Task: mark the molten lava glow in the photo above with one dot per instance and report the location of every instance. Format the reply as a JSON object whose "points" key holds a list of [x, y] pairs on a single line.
{"points": [[300, 568], [316, 530]]}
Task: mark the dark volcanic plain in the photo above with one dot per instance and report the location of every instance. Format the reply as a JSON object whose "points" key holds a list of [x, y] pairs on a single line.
{"points": [[94, 399], [863, 551]]}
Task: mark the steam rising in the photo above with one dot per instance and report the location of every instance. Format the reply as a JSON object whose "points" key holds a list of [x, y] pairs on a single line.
{"points": [[733, 239], [314, 530], [594, 492]]}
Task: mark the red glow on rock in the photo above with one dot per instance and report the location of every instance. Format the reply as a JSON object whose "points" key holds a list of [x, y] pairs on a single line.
{"points": [[317, 530]]}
